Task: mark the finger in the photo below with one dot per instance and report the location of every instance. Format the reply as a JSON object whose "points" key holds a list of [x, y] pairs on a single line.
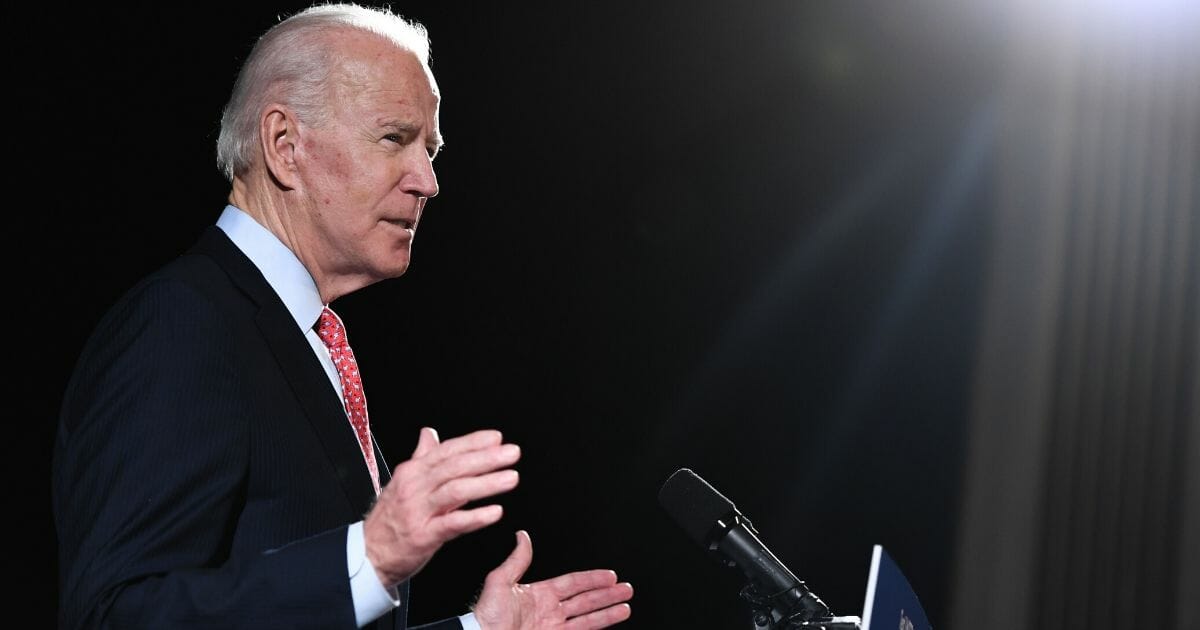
{"points": [[458, 492], [427, 471], [473, 463], [572, 584], [426, 441], [600, 618], [461, 522], [514, 566], [597, 599], [470, 442]]}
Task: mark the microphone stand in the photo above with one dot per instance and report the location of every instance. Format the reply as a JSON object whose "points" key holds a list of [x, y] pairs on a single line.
{"points": [[812, 614]]}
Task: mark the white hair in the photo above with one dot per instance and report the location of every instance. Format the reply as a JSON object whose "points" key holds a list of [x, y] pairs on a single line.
{"points": [[291, 64]]}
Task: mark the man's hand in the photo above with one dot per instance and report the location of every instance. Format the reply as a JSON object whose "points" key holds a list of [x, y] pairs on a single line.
{"points": [[420, 509], [576, 601]]}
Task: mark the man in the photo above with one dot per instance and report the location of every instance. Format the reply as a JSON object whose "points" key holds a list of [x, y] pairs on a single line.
{"points": [[213, 460]]}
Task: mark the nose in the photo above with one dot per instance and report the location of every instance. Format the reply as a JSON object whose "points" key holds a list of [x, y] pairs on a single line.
{"points": [[421, 180]]}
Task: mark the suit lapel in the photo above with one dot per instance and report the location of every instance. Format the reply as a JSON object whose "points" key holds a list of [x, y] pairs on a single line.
{"points": [[325, 412], [299, 366]]}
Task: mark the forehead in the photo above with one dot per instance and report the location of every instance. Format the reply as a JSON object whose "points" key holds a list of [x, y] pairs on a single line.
{"points": [[374, 67]]}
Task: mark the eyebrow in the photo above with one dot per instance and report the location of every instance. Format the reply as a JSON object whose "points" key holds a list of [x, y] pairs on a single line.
{"points": [[406, 127]]}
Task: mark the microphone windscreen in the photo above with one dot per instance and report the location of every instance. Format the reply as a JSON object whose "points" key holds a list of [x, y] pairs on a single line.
{"points": [[693, 504]]}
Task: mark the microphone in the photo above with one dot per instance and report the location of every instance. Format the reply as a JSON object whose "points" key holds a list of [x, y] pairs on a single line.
{"points": [[714, 523]]}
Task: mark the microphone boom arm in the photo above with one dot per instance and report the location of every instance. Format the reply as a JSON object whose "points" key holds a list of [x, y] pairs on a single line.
{"points": [[778, 600]]}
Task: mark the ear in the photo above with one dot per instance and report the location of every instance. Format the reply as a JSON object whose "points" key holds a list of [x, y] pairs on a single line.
{"points": [[279, 133]]}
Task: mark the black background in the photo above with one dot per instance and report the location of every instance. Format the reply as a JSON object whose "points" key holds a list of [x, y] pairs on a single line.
{"points": [[747, 240]]}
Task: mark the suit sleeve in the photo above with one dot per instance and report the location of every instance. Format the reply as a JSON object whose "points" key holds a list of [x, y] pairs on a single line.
{"points": [[149, 479]]}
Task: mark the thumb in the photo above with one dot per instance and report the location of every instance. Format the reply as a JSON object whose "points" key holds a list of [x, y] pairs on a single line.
{"points": [[517, 562], [426, 441]]}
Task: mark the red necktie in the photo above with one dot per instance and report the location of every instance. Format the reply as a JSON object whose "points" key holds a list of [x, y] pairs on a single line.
{"points": [[331, 331]]}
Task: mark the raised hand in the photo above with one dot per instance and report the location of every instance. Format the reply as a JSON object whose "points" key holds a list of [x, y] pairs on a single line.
{"points": [[583, 600], [420, 509]]}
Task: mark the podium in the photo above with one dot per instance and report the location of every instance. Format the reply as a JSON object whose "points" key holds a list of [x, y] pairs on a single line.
{"points": [[890, 603]]}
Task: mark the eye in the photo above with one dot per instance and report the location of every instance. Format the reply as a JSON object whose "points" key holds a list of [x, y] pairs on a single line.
{"points": [[432, 151], [394, 137]]}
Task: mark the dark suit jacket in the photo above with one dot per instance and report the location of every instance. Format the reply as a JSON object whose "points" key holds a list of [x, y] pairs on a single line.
{"points": [[204, 470]]}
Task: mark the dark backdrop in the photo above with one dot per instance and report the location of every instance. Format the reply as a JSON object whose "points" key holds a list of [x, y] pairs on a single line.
{"points": [[746, 240]]}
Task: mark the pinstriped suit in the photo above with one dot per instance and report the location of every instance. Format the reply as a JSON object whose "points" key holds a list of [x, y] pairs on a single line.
{"points": [[204, 475]]}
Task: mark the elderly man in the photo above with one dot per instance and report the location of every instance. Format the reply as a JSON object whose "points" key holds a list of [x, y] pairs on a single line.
{"points": [[214, 457]]}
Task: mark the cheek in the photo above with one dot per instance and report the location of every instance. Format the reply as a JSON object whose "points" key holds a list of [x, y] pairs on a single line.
{"points": [[330, 174]]}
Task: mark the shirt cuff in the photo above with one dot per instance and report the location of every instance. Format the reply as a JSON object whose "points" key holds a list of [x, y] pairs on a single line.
{"points": [[468, 622], [371, 599]]}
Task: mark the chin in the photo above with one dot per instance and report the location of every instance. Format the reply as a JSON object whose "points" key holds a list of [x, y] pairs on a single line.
{"points": [[395, 270]]}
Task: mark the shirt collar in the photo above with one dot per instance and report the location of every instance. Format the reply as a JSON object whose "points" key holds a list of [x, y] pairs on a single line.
{"points": [[278, 264]]}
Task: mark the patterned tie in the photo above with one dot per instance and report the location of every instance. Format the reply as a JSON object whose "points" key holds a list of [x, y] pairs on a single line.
{"points": [[331, 331]]}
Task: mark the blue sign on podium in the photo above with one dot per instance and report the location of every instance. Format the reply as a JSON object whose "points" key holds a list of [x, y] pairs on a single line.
{"points": [[890, 603]]}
